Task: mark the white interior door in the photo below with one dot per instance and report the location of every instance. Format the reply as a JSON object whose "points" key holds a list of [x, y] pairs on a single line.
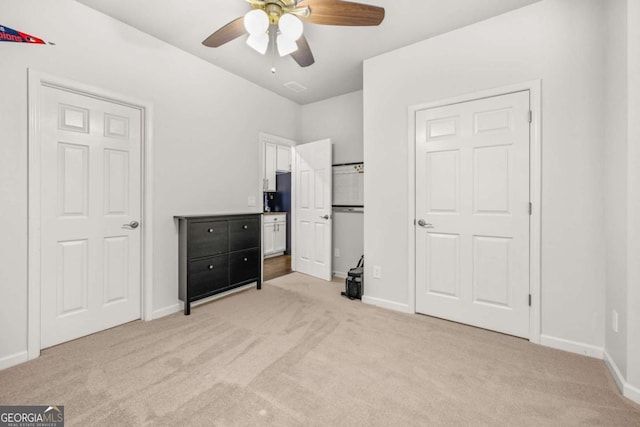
{"points": [[313, 209], [91, 193], [472, 206]]}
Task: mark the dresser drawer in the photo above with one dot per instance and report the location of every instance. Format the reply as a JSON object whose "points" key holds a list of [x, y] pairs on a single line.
{"points": [[208, 238], [244, 233], [278, 218], [244, 265], [208, 274]]}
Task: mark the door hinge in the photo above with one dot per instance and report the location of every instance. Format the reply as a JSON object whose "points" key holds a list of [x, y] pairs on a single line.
{"points": [[530, 208], [529, 300], [530, 116]]}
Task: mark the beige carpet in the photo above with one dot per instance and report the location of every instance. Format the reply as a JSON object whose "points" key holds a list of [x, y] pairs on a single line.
{"points": [[296, 353]]}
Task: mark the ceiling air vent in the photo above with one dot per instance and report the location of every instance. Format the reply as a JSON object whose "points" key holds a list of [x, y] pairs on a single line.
{"points": [[295, 86]]}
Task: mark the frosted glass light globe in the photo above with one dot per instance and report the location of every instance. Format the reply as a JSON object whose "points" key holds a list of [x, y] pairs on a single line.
{"points": [[259, 42], [290, 26], [256, 21], [286, 45]]}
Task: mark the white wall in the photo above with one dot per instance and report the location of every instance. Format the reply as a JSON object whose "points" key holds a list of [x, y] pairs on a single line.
{"points": [[558, 41], [205, 135], [340, 118], [622, 195], [615, 167], [633, 191]]}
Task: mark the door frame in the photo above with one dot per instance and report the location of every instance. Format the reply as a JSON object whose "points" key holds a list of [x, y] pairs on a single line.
{"points": [[36, 80], [535, 188], [266, 137]]}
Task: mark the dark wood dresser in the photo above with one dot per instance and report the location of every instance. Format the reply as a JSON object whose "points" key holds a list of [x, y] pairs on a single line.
{"points": [[218, 253]]}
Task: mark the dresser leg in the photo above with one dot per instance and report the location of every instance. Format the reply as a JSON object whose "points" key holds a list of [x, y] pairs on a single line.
{"points": [[187, 308]]}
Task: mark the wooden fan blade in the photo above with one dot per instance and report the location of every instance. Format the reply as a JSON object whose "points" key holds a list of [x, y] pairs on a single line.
{"points": [[303, 55], [232, 30], [337, 12]]}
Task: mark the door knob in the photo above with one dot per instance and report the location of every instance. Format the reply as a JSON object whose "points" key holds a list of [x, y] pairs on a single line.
{"points": [[325, 216], [424, 224], [132, 224]]}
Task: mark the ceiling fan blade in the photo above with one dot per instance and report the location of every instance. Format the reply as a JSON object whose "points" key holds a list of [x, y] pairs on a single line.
{"points": [[303, 55], [232, 30], [337, 12]]}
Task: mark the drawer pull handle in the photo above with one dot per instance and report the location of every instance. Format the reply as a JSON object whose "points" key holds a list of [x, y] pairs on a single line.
{"points": [[246, 259], [245, 226], [210, 267], [210, 230]]}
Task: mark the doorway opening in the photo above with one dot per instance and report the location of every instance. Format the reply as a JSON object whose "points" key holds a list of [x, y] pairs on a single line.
{"points": [[296, 184]]}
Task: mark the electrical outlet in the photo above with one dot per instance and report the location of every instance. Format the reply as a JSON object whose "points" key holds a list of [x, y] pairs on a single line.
{"points": [[614, 321], [251, 201], [336, 252], [377, 271]]}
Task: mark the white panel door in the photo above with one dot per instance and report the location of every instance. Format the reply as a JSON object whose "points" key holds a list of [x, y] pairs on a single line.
{"points": [[91, 188], [472, 207], [313, 209]]}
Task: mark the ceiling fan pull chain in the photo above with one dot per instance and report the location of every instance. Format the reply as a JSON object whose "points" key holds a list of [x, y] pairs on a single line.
{"points": [[272, 39]]}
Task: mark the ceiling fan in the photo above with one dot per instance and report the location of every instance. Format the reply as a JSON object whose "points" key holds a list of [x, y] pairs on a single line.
{"points": [[279, 21]]}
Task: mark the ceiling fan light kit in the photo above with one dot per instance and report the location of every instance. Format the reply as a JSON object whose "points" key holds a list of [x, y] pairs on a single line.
{"points": [[285, 16], [286, 46], [259, 42], [256, 22], [290, 26]]}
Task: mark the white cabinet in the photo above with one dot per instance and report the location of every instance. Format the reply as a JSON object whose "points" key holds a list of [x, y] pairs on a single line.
{"points": [[274, 234], [283, 158], [280, 241], [269, 238], [276, 158], [270, 153]]}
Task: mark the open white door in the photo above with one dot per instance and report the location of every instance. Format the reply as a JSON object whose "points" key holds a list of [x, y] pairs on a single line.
{"points": [[312, 205]]}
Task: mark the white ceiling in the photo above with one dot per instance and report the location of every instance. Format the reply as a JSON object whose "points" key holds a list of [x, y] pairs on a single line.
{"points": [[338, 51]]}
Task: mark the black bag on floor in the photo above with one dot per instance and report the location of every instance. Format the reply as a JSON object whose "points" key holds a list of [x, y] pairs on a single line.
{"points": [[353, 282]]}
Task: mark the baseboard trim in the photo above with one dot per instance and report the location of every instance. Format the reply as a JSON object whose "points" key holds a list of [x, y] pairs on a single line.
{"points": [[166, 311], [631, 392], [13, 360], [391, 305], [627, 390], [572, 346], [615, 372], [340, 274]]}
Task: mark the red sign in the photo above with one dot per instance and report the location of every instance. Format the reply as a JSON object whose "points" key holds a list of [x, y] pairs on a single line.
{"points": [[10, 35]]}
